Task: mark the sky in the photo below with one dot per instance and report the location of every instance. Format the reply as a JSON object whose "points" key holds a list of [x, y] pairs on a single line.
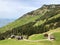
{"points": [[13, 9]]}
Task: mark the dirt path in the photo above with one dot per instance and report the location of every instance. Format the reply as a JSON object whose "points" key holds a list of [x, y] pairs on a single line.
{"points": [[36, 40]]}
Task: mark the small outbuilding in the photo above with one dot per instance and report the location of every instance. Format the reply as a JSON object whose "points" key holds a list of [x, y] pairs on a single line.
{"points": [[46, 35], [52, 37], [12, 36], [19, 37]]}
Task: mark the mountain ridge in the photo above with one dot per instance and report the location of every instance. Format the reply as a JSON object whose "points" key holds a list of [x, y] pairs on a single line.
{"points": [[38, 21]]}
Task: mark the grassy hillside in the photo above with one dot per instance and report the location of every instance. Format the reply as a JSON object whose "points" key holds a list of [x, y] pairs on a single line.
{"points": [[56, 33], [36, 37], [38, 21]]}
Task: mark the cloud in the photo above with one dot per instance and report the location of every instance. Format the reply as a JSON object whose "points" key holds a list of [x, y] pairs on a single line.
{"points": [[12, 9], [16, 8]]}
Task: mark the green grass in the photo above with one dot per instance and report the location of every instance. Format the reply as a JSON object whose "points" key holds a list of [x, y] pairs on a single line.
{"points": [[16, 42], [38, 23], [22, 42], [57, 36], [36, 37], [54, 17]]}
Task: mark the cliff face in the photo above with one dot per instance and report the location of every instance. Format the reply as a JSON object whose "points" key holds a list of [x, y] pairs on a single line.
{"points": [[38, 21]]}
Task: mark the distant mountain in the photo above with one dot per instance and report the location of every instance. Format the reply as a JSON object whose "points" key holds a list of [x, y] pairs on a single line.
{"points": [[4, 22], [38, 21]]}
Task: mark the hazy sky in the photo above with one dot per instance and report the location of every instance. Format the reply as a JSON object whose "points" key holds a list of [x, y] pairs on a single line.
{"points": [[16, 8]]}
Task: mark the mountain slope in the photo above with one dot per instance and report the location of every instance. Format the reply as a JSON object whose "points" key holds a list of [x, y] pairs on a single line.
{"points": [[38, 21]]}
